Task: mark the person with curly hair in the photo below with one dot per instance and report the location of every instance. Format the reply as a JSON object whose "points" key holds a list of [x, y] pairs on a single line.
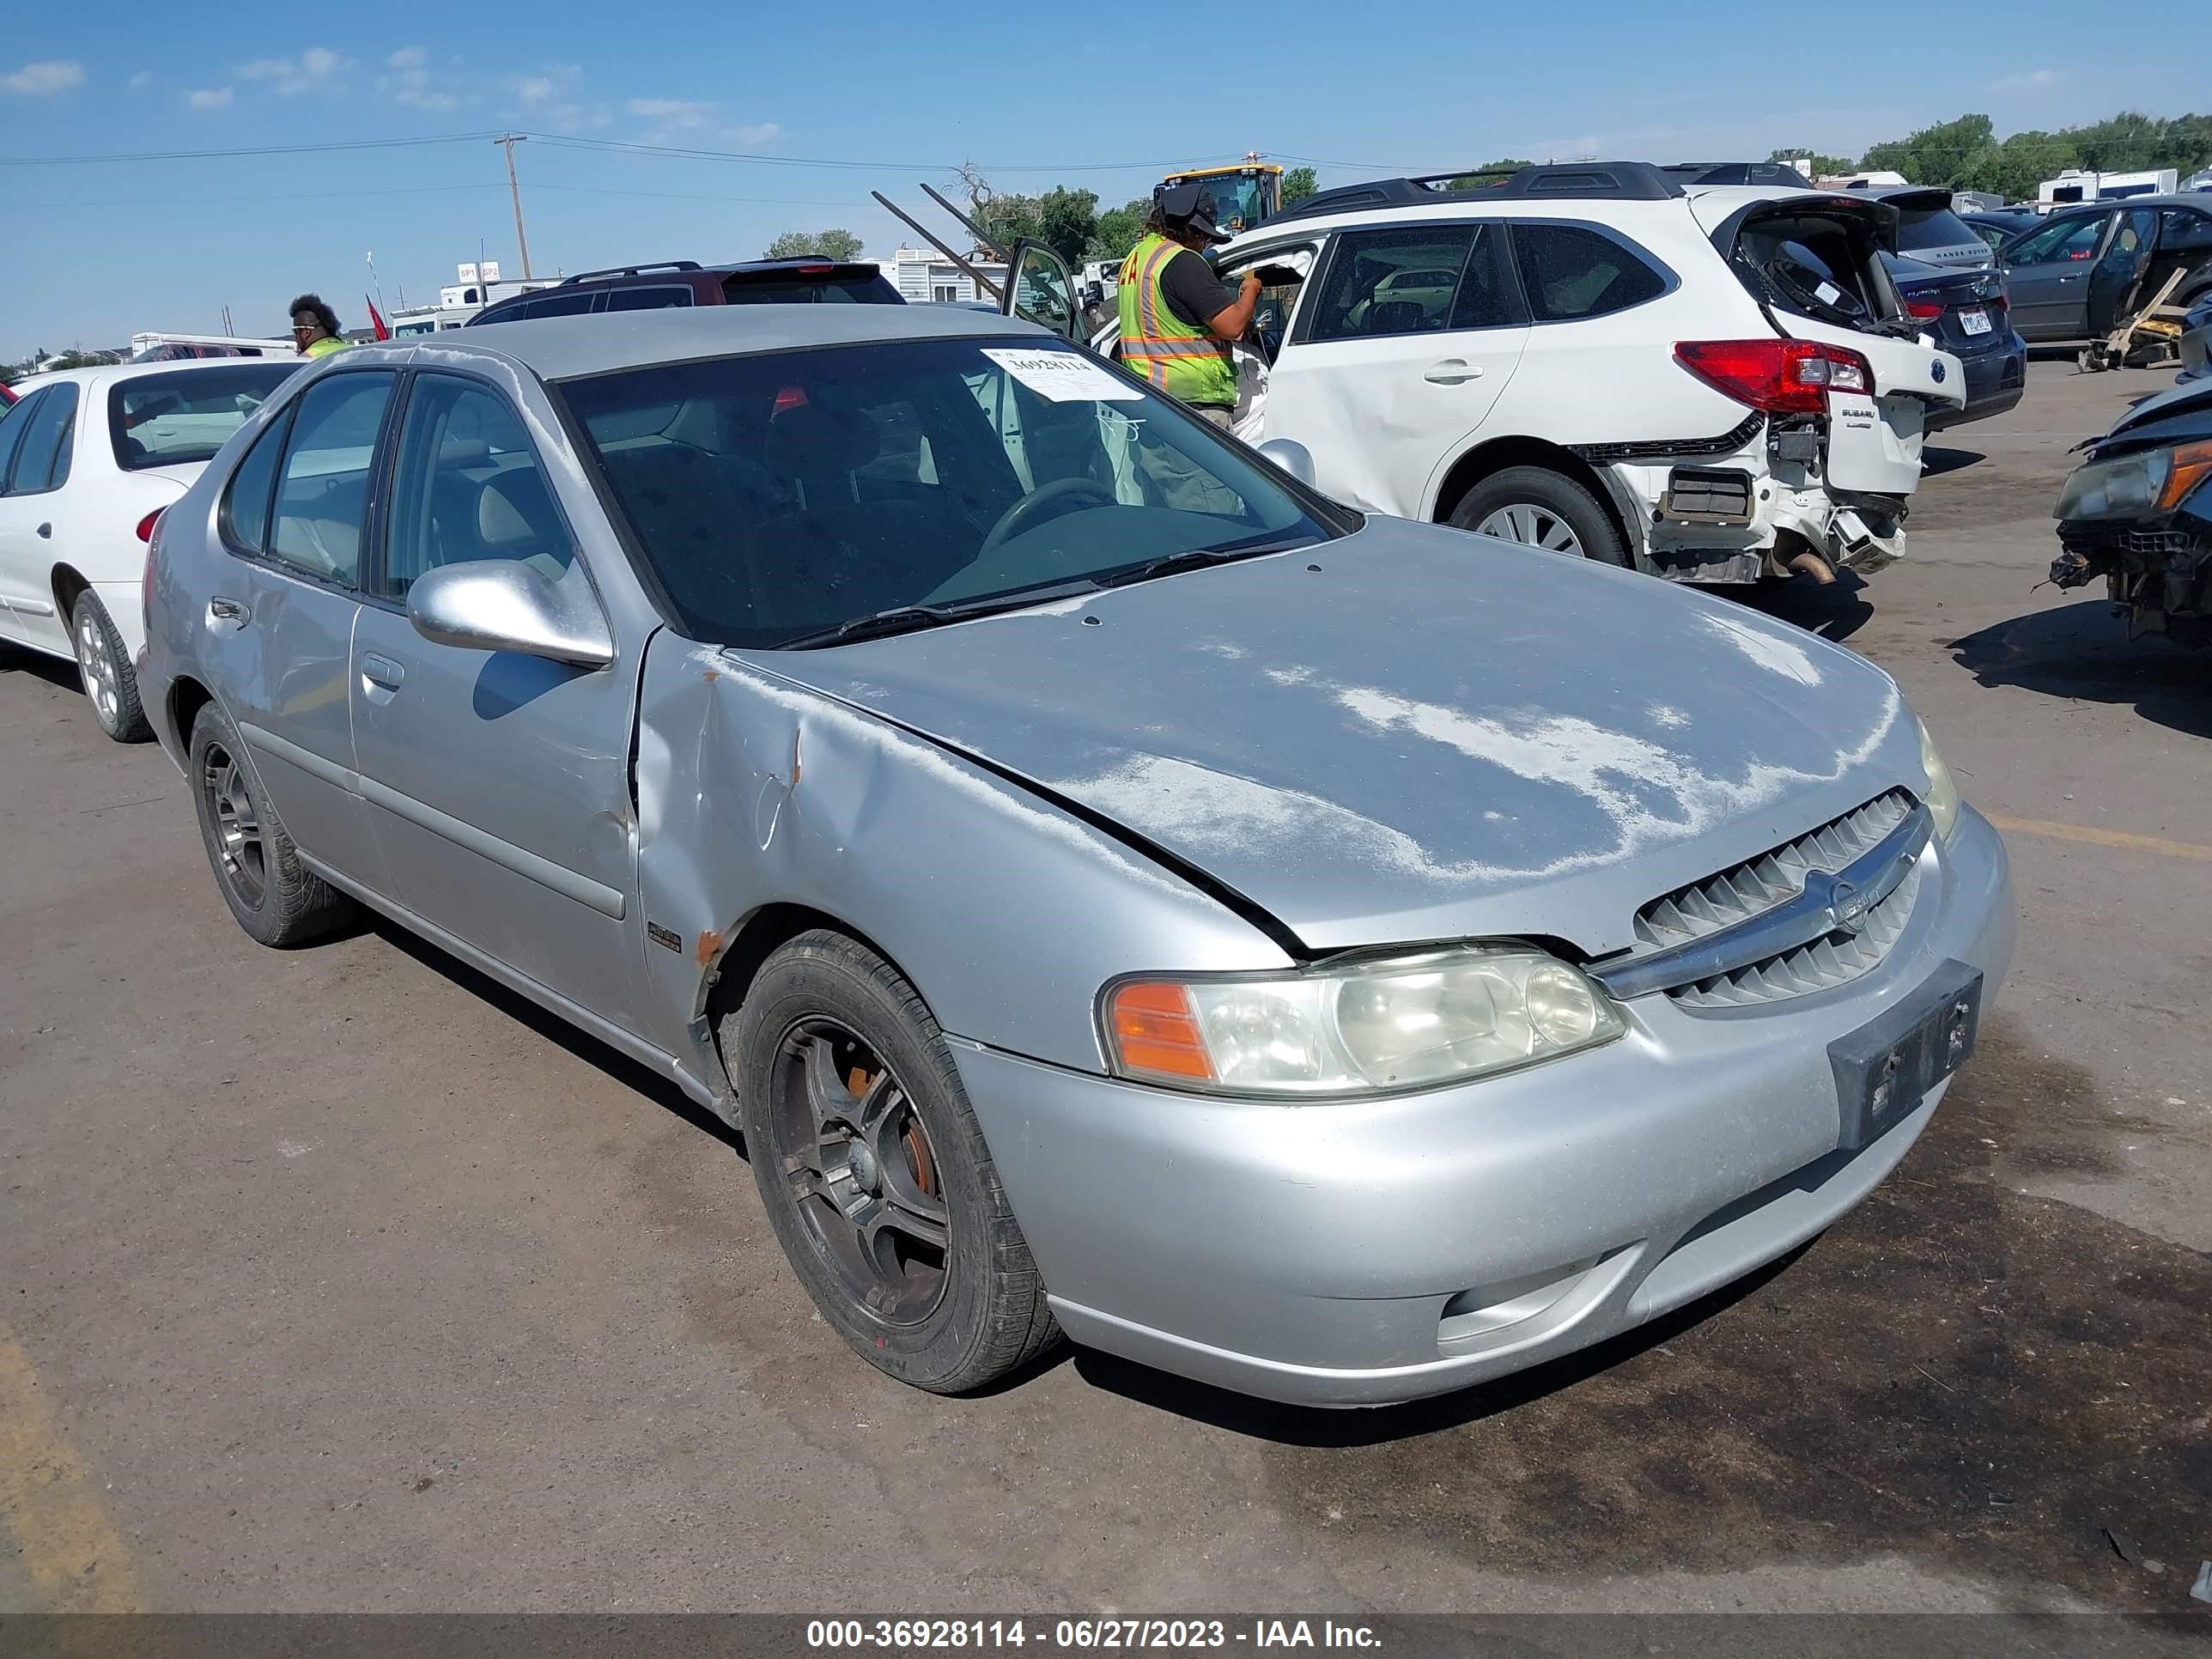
{"points": [[315, 332]]}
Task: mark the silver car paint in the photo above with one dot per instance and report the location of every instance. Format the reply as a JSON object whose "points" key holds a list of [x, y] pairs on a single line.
{"points": [[1328, 743], [1416, 740]]}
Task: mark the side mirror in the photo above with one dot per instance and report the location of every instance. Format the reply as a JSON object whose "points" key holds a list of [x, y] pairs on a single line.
{"points": [[500, 604], [1294, 458]]}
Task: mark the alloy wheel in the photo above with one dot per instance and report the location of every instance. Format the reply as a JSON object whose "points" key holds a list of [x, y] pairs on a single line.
{"points": [[858, 1165], [1532, 525], [241, 852], [102, 680]]}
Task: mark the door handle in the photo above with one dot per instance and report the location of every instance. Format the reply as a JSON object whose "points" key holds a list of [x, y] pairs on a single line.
{"points": [[2071, 276], [47, 530], [1453, 370], [222, 609], [382, 671]]}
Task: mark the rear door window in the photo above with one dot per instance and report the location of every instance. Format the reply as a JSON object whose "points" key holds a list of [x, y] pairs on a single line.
{"points": [[14, 420], [246, 497], [1569, 272], [43, 461], [322, 489]]}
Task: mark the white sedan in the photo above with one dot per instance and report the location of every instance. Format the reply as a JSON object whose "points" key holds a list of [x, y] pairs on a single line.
{"points": [[89, 458]]}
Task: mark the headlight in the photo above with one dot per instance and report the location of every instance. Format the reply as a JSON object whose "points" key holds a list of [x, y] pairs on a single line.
{"points": [[1363, 1028], [1942, 797], [2154, 481]]}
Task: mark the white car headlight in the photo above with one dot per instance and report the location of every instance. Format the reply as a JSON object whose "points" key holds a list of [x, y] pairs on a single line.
{"points": [[1361, 1028], [1942, 798]]}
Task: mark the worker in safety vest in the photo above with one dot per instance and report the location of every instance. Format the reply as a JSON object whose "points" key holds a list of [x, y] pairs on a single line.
{"points": [[315, 332], [1178, 320]]}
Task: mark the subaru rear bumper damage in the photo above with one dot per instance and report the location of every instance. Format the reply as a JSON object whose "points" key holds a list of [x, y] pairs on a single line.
{"points": [[1759, 509]]}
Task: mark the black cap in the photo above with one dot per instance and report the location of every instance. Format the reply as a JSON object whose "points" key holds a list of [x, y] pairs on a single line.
{"points": [[1187, 204]]}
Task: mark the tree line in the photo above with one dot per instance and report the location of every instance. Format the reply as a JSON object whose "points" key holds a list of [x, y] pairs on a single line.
{"points": [[1967, 154]]}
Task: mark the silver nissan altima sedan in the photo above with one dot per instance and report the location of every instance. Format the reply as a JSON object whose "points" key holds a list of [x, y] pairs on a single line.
{"points": [[1116, 890]]}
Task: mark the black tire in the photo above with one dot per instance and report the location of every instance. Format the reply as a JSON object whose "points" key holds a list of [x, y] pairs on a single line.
{"points": [[951, 1319], [110, 684], [1564, 499], [276, 899]]}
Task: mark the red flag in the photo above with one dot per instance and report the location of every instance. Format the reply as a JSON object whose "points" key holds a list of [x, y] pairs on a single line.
{"points": [[376, 321]]}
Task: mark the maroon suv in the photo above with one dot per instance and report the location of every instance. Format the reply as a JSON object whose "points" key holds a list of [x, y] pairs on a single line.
{"points": [[688, 282]]}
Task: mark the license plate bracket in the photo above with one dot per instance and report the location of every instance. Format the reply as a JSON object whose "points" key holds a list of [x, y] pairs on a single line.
{"points": [[1883, 1069]]}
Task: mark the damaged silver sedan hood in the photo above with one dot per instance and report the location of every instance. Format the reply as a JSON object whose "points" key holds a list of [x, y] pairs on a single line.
{"points": [[1409, 734]]}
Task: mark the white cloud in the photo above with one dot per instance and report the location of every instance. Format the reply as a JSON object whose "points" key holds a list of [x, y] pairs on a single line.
{"points": [[318, 68], [766, 133], [408, 57], [45, 79], [142, 79], [2029, 81], [549, 85], [207, 98], [677, 112]]}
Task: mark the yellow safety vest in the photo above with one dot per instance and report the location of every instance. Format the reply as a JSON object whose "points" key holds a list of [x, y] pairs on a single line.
{"points": [[323, 347], [1183, 361]]}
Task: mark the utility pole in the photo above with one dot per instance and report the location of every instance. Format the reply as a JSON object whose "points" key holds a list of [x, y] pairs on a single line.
{"points": [[507, 142]]}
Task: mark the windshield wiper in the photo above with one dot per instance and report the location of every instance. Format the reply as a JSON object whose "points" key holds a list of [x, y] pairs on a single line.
{"points": [[1198, 558], [912, 618]]}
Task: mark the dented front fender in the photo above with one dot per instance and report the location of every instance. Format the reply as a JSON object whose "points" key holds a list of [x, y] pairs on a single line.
{"points": [[1006, 913]]}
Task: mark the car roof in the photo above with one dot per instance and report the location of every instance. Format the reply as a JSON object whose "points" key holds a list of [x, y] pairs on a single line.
{"points": [[565, 348], [2199, 199]]}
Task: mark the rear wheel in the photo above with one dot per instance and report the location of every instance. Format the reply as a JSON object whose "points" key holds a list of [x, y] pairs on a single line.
{"points": [[275, 899], [1542, 508], [874, 1172], [110, 684]]}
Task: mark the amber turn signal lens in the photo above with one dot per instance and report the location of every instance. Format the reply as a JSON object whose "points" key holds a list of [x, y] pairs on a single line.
{"points": [[2191, 462], [1156, 1034]]}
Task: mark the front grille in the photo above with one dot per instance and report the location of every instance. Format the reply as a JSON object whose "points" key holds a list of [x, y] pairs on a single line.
{"points": [[1756, 886], [2156, 543], [1815, 913], [1836, 959]]}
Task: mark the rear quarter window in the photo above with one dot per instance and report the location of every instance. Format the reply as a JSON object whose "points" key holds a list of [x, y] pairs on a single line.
{"points": [[1569, 272]]}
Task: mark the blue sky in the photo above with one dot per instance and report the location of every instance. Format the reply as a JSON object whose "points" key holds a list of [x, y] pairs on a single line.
{"points": [[1037, 94]]}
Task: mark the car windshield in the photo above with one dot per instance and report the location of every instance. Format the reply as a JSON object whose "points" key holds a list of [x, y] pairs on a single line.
{"points": [[167, 420], [779, 495]]}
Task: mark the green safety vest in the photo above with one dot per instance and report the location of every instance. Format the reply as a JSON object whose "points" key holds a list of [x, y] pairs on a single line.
{"points": [[1183, 361]]}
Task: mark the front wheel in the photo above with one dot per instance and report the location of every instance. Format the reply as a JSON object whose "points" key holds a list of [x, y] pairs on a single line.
{"points": [[874, 1172], [1541, 508], [111, 685]]}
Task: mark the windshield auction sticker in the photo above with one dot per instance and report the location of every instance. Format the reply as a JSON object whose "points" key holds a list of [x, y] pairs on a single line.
{"points": [[1064, 377]]}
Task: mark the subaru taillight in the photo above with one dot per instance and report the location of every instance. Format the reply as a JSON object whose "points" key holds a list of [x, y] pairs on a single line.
{"points": [[1783, 377]]}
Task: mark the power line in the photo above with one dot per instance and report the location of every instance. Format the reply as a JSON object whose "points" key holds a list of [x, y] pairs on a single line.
{"points": [[569, 141], [624, 146], [252, 149], [282, 195]]}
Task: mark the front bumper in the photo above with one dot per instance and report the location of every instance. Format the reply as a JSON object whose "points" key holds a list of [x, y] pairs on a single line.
{"points": [[1362, 1252]]}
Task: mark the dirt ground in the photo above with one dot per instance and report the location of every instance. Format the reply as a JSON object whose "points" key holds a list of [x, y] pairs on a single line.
{"points": [[343, 1280]]}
